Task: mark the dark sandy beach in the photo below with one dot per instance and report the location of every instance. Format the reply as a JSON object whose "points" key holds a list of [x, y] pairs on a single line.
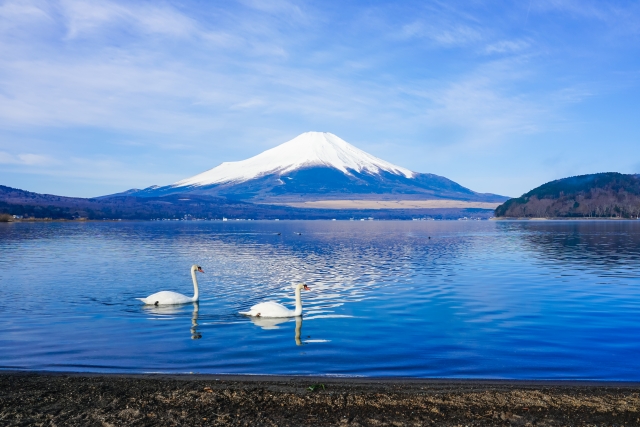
{"points": [[34, 399]]}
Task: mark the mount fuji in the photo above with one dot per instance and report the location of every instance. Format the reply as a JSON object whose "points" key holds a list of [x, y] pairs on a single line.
{"points": [[316, 166]]}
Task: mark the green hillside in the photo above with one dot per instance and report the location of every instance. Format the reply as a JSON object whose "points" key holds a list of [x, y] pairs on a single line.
{"points": [[609, 195]]}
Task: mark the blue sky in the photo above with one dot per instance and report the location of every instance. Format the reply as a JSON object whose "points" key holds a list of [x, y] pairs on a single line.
{"points": [[101, 96]]}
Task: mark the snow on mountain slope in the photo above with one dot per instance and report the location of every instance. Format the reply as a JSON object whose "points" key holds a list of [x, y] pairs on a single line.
{"points": [[305, 150]]}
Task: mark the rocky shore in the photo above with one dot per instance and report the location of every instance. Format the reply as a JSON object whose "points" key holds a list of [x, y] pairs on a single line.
{"points": [[44, 399]]}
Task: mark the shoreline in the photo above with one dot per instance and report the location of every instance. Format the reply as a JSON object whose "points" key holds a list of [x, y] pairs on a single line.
{"points": [[48, 220], [560, 218], [65, 398], [248, 378]]}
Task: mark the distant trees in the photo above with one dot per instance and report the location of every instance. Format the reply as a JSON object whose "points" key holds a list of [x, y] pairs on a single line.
{"points": [[35, 211], [606, 195]]}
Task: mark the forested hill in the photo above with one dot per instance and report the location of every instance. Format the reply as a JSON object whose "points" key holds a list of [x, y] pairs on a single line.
{"points": [[608, 194]]}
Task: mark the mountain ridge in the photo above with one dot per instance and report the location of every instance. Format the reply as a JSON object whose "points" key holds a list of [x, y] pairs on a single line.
{"points": [[28, 204], [316, 166], [309, 149]]}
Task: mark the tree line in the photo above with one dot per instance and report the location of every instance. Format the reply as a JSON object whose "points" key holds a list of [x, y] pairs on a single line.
{"points": [[607, 195]]}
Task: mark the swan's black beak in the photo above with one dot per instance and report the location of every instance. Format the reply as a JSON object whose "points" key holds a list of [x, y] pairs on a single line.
{"points": [[306, 288], [200, 270]]}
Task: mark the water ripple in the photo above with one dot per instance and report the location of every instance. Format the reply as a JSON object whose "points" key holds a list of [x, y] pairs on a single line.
{"points": [[477, 299]]}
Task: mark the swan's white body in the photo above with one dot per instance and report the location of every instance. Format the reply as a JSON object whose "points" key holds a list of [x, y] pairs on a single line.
{"points": [[172, 298], [274, 309], [166, 298]]}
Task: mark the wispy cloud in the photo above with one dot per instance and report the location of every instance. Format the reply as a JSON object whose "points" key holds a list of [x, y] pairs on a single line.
{"points": [[280, 8], [507, 46], [27, 159], [436, 23], [202, 83], [620, 17], [84, 18], [481, 104], [251, 103], [17, 13], [451, 35], [88, 169]]}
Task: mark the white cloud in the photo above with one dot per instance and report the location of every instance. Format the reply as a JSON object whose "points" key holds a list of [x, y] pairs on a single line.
{"points": [[104, 169], [441, 34], [225, 82], [571, 95], [481, 105], [579, 8], [16, 13], [84, 18], [139, 88], [251, 103], [26, 159], [507, 46], [114, 170], [280, 8], [620, 17]]}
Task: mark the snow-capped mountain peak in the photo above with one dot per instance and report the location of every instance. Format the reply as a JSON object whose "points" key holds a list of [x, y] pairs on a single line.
{"points": [[306, 150]]}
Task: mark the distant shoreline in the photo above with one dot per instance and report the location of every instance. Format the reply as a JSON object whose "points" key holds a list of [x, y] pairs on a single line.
{"points": [[66, 220], [563, 219], [78, 399], [29, 220]]}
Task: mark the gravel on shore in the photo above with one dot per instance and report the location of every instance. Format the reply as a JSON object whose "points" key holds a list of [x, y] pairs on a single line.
{"points": [[49, 399]]}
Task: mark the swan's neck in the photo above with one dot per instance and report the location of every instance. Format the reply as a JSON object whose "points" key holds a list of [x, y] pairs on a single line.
{"points": [[298, 311], [195, 285]]}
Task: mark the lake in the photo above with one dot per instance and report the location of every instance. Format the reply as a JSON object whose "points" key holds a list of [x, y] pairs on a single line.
{"points": [[454, 299]]}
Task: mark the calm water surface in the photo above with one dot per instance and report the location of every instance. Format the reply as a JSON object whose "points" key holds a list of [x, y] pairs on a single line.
{"points": [[536, 300]]}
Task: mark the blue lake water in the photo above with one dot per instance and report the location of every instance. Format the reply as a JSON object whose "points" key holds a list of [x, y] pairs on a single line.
{"points": [[481, 299]]}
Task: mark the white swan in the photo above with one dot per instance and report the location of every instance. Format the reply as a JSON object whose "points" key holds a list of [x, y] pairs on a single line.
{"points": [[168, 297], [273, 309]]}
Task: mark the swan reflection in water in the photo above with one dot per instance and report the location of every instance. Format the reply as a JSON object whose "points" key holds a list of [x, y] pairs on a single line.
{"points": [[273, 322], [168, 310]]}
